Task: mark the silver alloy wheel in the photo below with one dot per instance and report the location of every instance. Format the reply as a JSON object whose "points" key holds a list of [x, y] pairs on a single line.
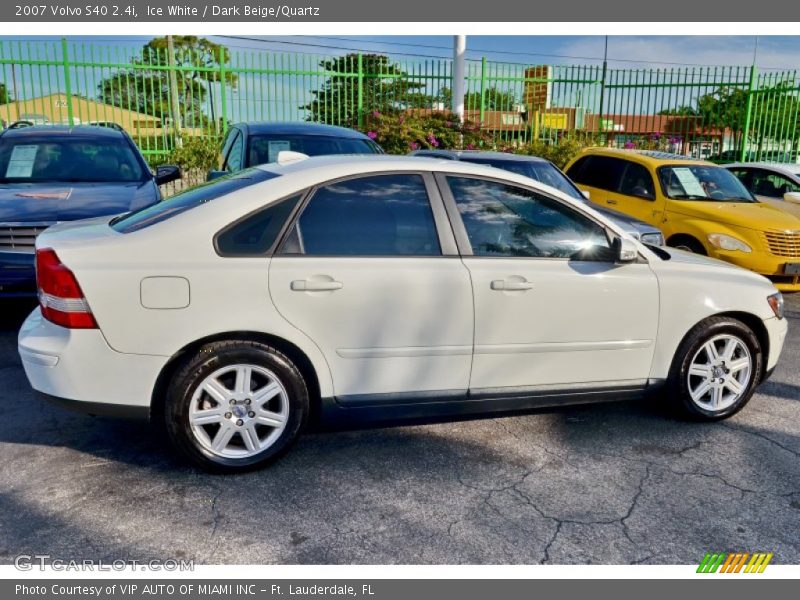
{"points": [[239, 411], [720, 372]]}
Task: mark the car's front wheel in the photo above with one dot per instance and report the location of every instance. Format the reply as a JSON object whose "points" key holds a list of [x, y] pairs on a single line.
{"points": [[236, 406], [716, 369]]}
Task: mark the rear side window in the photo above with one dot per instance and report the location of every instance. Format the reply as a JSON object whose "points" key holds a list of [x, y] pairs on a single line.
{"points": [[134, 221], [381, 215], [602, 172], [256, 233]]}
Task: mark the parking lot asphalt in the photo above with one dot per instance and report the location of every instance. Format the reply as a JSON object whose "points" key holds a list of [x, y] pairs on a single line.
{"points": [[605, 484]]}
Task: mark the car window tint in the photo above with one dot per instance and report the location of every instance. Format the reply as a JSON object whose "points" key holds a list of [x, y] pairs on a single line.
{"points": [[256, 233], [71, 158], [188, 200], [265, 148], [771, 185], [505, 220], [637, 181], [234, 160], [382, 215], [603, 172]]}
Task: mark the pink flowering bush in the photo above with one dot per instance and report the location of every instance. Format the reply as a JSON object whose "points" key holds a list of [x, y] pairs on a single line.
{"points": [[401, 132]]}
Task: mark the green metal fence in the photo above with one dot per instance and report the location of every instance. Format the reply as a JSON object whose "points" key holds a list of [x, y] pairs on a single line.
{"points": [[721, 113]]}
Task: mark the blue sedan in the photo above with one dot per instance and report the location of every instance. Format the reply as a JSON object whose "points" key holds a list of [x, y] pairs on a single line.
{"points": [[51, 174]]}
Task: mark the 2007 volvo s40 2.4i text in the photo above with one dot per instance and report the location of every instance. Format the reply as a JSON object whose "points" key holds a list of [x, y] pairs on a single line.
{"points": [[380, 287]]}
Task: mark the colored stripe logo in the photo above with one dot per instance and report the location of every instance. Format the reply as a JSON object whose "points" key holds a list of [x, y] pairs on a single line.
{"points": [[735, 562]]}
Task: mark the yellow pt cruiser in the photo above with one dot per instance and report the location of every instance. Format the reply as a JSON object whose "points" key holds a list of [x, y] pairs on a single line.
{"points": [[699, 207]]}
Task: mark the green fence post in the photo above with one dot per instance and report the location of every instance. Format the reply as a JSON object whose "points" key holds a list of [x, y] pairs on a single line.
{"points": [[223, 97], [67, 82], [750, 91], [483, 88], [360, 106]]}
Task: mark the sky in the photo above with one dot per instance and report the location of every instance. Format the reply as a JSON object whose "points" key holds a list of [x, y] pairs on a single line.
{"points": [[286, 95], [774, 52]]}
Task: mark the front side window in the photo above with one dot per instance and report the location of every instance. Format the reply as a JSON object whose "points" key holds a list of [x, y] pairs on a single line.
{"points": [[702, 182], [69, 159], [638, 182], [381, 215], [505, 220], [265, 148]]}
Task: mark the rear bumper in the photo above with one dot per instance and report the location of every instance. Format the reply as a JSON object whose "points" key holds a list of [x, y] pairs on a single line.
{"points": [[77, 366]]}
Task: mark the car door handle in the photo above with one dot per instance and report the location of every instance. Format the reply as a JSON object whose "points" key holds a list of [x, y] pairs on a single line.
{"points": [[610, 201], [305, 285], [505, 285]]}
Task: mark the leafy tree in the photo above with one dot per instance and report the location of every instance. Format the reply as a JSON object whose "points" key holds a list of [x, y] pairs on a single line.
{"points": [[146, 90], [4, 95], [681, 111], [494, 99], [385, 88], [774, 113]]}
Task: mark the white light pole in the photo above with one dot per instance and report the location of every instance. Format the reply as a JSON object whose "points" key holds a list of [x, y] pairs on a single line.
{"points": [[459, 73]]}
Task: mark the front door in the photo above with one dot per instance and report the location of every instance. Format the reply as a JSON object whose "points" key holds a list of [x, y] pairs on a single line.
{"points": [[552, 309], [364, 275]]}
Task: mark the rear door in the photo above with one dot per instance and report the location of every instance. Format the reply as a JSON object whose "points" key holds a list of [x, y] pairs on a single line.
{"points": [[637, 195], [371, 273]]}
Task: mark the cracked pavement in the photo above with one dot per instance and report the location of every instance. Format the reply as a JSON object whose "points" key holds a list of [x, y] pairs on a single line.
{"points": [[605, 484]]}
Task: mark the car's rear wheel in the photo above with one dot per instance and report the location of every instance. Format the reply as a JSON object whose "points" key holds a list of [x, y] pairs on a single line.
{"points": [[236, 406], [716, 369]]}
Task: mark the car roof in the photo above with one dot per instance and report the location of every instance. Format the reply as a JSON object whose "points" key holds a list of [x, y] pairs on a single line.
{"points": [[265, 128], [652, 157], [786, 168], [478, 154], [40, 131]]}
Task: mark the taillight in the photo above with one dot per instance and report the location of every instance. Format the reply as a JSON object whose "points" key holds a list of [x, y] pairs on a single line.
{"points": [[60, 296]]}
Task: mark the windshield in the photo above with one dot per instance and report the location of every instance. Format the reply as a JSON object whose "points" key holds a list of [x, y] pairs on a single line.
{"points": [[44, 160], [702, 182], [543, 172], [264, 148]]}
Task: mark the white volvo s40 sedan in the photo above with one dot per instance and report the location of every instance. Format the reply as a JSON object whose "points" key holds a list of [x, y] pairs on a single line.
{"points": [[352, 288]]}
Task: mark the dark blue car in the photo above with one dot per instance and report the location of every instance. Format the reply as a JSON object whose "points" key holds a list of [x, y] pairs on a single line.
{"points": [[51, 174], [251, 144]]}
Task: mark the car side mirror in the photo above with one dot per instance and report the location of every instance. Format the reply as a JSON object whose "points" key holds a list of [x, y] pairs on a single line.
{"points": [[792, 197], [167, 173], [214, 174], [587, 194], [625, 250]]}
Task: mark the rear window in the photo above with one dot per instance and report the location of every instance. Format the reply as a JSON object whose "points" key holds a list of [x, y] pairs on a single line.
{"points": [[264, 148], [134, 221], [71, 159]]}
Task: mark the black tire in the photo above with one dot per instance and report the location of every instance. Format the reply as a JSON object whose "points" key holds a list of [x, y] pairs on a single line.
{"points": [[678, 382], [688, 244], [209, 359]]}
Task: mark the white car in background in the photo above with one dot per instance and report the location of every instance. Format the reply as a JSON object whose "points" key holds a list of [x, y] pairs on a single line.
{"points": [[380, 287], [777, 184]]}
